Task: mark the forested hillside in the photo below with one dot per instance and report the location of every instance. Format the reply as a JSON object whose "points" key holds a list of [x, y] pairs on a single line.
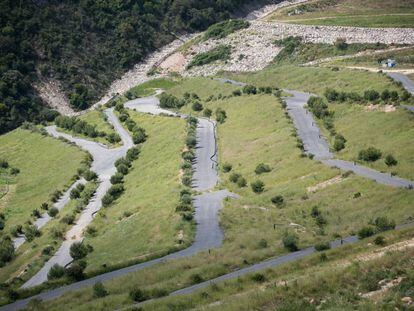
{"points": [[85, 45]]}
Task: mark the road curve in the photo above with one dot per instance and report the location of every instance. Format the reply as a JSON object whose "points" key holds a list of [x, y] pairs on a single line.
{"points": [[104, 165], [315, 144], [406, 82], [207, 205]]}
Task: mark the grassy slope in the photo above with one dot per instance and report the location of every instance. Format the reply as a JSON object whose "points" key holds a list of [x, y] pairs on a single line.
{"points": [[390, 132], [257, 131], [357, 13], [40, 160], [404, 58], [315, 80], [152, 192]]}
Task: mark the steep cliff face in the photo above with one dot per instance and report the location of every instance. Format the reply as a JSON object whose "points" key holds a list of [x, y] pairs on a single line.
{"points": [[85, 45]]}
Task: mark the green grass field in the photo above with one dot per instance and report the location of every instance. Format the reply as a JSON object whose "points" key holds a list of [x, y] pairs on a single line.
{"points": [[256, 131], [98, 119], [142, 223], [41, 161], [390, 132], [315, 80], [356, 13]]}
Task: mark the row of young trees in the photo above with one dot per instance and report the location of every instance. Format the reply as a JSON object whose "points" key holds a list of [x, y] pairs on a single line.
{"points": [[369, 96]]}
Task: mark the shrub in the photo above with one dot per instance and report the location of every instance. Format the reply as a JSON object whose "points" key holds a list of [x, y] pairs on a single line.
{"points": [[258, 277], [75, 193], [379, 240], [227, 167], [196, 278], [4, 163], [221, 52], [122, 169], [257, 186], [262, 243], [31, 232], [237, 93], [107, 200], [138, 295], [318, 107], [75, 271], [331, 94], [36, 213], [371, 95], [322, 246], [90, 175], [196, 106], [366, 232], [320, 221], [139, 136], [47, 250], [339, 142], [113, 138], [385, 95], [53, 211], [54, 197], [223, 29], [262, 168], [384, 224], [234, 177], [56, 272], [6, 250], [68, 219], [169, 101], [44, 206], [390, 160], [249, 89], [394, 96], [207, 112], [78, 250], [14, 171], [277, 200], [242, 182], [117, 178], [370, 154], [99, 290], [191, 141], [221, 115], [290, 241], [132, 154], [16, 230], [116, 190]]}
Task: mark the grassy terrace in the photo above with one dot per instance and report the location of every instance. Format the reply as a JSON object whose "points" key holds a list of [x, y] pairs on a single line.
{"points": [[404, 58], [40, 160], [316, 80], [256, 131], [142, 223], [390, 132], [356, 13]]}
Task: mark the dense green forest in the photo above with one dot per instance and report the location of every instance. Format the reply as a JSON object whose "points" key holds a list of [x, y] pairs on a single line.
{"points": [[86, 44]]}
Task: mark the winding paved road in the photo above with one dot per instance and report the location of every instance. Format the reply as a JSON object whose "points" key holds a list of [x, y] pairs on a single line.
{"points": [[207, 205], [45, 218], [104, 165], [315, 144], [406, 82]]}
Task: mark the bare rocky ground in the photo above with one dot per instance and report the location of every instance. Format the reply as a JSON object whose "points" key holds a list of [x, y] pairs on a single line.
{"points": [[51, 92]]}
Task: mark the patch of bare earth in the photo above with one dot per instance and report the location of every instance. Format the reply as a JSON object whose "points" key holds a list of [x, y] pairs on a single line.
{"points": [[50, 91], [383, 108], [174, 62], [326, 183]]}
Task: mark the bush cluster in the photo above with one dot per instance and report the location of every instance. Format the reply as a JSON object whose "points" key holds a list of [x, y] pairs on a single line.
{"points": [[223, 29], [369, 96], [370, 154], [379, 224], [238, 179], [221, 52]]}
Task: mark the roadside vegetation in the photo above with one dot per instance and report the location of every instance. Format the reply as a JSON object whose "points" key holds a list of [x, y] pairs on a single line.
{"points": [[368, 13], [142, 223], [223, 29], [221, 52]]}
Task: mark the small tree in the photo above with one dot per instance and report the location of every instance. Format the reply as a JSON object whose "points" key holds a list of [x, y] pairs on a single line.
{"points": [[6, 250], [78, 250], [371, 95], [234, 177], [277, 200], [249, 89], [366, 232], [221, 115], [262, 168], [370, 154], [290, 241], [242, 182], [385, 95], [257, 186], [56, 272], [99, 290], [227, 167], [31, 232], [138, 295], [322, 246], [75, 193], [390, 160], [117, 178], [196, 106], [53, 211], [207, 112]]}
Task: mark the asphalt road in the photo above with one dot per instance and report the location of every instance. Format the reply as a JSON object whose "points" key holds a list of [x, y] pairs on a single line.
{"points": [[406, 82], [104, 165], [207, 205], [317, 145], [45, 218]]}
